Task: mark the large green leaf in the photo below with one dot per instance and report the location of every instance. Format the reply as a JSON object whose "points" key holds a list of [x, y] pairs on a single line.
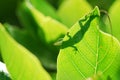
{"points": [[71, 10], [44, 29], [47, 59], [115, 18], [51, 28], [21, 63], [87, 52], [45, 8], [47, 29]]}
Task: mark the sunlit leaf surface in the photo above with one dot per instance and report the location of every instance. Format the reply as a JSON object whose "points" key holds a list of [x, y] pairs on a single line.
{"points": [[87, 51], [21, 63]]}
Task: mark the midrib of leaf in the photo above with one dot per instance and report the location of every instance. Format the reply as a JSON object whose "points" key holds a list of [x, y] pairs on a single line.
{"points": [[97, 53], [106, 53], [90, 55], [84, 58]]}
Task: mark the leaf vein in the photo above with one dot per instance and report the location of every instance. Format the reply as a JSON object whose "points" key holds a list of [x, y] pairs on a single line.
{"points": [[97, 51], [83, 56], [106, 53], [76, 67], [110, 63], [88, 45]]}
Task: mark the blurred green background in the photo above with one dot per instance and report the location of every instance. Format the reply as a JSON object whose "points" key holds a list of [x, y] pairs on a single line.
{"points": [[8, 8]]}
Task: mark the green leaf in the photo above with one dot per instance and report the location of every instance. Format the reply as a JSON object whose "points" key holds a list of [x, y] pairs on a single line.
{"points": [[21, 63], [71, 11], [53, 75], [47, 29], [47, 59], [51, 28], [87, 51], [115, 18], [3, 76], [45, 8]]}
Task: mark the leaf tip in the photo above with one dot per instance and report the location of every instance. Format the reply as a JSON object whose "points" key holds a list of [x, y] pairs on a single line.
{"points": [[96, 11]]}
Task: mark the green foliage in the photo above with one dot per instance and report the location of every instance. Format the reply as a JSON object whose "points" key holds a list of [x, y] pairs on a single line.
{"points": [[3, 76], [44, 29], [45, 8], [71, 11], [87, 51], [115, 18], [102, 4], [8, 13], [20, 62], [47, 59]]}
